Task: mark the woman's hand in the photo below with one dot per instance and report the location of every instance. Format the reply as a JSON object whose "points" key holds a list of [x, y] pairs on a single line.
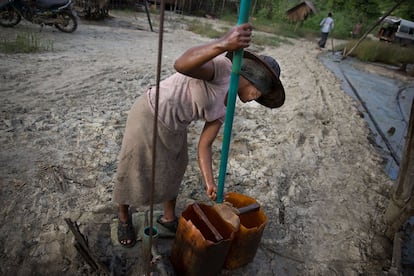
{"points": [[196, 61], [207, 137], [211, 191], [238, 37]]}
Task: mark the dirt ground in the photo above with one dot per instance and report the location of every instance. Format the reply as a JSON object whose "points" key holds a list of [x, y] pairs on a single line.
{"points": [[310, 164]]}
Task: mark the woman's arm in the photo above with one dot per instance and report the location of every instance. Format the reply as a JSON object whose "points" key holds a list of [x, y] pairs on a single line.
{"points": [[207, 137], [196, 62]]}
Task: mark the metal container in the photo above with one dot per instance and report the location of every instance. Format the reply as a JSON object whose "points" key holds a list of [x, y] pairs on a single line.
{"points": [[150, 254], [202, 241], [246, 241]]}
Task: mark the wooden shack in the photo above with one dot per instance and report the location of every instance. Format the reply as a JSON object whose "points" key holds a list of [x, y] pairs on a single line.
{"points": [[92, 9], [301, 11]]}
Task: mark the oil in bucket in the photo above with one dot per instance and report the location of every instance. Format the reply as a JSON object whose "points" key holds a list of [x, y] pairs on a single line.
{"points": [[246, 241]]}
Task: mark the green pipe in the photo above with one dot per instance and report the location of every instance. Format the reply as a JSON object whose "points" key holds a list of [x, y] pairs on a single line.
{"points": [[231, 102]]}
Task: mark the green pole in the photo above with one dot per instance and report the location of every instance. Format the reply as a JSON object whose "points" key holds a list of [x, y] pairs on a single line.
{"points": [[231, 102]]}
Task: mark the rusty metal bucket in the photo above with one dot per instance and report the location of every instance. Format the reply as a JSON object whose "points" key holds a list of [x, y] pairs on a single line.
{"points": [[202, 241], [246, 241]]}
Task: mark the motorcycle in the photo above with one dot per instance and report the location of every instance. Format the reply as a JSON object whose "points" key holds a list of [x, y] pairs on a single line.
{"points": [[58, 13]]}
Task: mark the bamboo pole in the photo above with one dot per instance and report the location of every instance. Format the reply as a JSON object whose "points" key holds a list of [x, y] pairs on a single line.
{"points": [[395, 268], [401, 205]]}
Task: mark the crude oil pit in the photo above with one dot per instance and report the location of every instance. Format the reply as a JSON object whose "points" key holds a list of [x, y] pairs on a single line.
{"points": [[385, 103]]}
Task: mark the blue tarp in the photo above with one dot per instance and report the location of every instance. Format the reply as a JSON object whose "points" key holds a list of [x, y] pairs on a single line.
{"points": [[385, 103]]}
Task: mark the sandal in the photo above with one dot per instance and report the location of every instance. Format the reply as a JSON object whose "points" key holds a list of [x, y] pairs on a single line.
{"points": [[126, 233], [170, 225]]}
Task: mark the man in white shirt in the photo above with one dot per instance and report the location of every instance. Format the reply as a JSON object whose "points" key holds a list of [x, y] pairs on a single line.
{"points": [[327, 25]]}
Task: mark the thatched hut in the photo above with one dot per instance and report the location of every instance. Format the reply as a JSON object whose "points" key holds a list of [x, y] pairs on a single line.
{"points": [[300, 12]]}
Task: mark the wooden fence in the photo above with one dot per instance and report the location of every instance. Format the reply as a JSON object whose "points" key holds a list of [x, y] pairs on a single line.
{"points": [[98, 9]]}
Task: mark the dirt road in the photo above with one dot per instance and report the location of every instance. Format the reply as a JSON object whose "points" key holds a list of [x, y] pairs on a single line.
{"points": [[310, 164]]}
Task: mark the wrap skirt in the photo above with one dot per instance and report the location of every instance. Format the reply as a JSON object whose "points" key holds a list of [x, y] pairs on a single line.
{"points": [[134, 181]]}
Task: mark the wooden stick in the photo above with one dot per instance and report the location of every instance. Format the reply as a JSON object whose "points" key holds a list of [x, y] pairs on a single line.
{"points": [[82, 247], [204, 218]]}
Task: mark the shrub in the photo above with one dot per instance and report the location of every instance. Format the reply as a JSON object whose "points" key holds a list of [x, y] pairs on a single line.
{"points": [[24, 43], [378, 51]]}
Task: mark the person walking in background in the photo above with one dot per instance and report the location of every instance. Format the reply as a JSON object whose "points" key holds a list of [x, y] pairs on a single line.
{"points": [[356, 31], [327, 24]]}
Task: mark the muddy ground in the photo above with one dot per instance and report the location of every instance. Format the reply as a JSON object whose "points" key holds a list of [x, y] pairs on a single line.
{"points": [[311, 164]]}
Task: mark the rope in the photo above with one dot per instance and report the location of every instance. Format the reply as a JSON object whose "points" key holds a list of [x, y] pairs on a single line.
{"points": [[155, 133]]}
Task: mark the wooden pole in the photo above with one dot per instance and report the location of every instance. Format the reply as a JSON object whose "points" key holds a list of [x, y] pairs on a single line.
{"points": [[372, 28], [155, 132], [148, 15], [401, 205]]}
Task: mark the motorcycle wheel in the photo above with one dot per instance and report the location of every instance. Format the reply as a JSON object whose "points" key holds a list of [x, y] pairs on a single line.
{"points": [[69, 22], [9, 17]]}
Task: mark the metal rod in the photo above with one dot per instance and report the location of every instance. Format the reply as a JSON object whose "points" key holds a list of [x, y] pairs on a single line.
{"points": [[231, 102], [154, 138]]}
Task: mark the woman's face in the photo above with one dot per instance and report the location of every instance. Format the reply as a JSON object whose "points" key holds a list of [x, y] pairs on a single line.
{"points": [[247, 92]]}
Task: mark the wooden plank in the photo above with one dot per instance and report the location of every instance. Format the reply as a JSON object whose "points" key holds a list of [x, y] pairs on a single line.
{"points": [[204, 218]]}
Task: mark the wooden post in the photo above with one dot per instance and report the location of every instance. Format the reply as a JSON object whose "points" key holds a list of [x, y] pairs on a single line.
{"points": [[148, 14], [401, 206], [395, 268]]}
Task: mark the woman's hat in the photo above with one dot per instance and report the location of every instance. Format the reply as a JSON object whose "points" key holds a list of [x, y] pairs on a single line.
{"points": [[263, 72]]}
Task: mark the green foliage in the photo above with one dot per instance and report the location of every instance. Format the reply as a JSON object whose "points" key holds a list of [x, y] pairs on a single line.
{"points": [[277, 28], [405, 10], [346, 13], [264, 14], [383, 52], [269, 40], [367, 8], [270, 16], [24, 43], [204, 29]]}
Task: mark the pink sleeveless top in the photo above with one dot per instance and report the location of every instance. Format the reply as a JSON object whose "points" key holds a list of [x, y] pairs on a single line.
{"points": [[183, 99]]}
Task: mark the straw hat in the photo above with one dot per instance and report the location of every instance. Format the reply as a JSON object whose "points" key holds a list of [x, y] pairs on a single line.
{"points": [[263, 72]]}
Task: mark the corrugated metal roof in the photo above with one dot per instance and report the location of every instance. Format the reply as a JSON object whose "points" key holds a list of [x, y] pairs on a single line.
{"points": [[311, 5], [307, 3]]}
